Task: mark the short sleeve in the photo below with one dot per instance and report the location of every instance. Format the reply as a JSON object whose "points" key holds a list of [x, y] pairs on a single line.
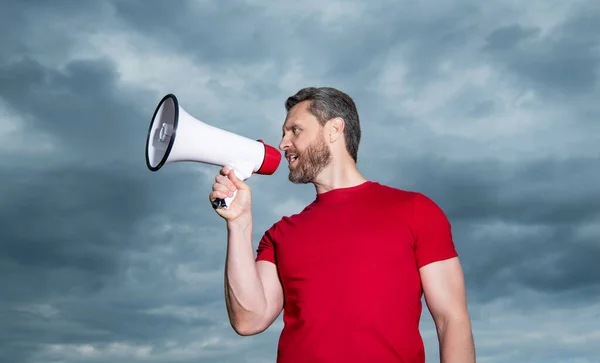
{"points": [[266, 247], [434, 240]]}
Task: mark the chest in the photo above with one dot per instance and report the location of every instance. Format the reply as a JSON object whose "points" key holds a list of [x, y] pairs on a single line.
{"points": [[349, 245]]}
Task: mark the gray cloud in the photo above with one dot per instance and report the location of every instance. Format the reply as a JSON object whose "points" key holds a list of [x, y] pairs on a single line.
{"points": [[77, 105], [564, 62], [69, 220], [508, 37]]}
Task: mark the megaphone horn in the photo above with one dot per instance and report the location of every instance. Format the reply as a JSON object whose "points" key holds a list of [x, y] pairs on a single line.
{"points": [[174, 136]]}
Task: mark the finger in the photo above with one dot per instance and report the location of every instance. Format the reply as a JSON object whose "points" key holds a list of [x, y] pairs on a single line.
{"points": [[225, 181], [221, 188], [218, 195]]}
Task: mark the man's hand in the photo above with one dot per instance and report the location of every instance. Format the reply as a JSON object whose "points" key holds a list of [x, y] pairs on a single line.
{"points": [[445, 296], [226, 183]]}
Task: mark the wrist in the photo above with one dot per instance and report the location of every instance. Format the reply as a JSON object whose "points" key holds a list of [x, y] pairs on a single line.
{"points": [[240, 223]]}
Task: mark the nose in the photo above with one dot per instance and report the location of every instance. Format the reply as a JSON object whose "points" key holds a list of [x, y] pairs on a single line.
{"points": [[284, 144]]}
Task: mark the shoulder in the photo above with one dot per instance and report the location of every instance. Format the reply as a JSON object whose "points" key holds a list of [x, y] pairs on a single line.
{"points": [[419, 206], [425, 207], [418, 199], [393, 194]]}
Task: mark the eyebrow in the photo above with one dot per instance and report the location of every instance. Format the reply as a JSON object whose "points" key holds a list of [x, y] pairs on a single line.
{"points": [[284, 127]]}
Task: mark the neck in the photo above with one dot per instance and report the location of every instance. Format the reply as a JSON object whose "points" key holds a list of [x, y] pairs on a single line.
{"points": [[338, 174]]}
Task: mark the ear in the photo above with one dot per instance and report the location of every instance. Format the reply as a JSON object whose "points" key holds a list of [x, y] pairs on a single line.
{"points": [[336, 129]]}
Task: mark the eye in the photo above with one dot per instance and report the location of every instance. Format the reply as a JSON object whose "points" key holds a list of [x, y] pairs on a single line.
{"points": [[295, 130]]}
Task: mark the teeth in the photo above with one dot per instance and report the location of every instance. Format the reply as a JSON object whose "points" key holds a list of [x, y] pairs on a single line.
{"points": [[292, 158]]}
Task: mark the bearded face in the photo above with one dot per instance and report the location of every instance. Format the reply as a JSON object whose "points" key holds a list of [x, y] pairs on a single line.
{"points": [[307, 164]]}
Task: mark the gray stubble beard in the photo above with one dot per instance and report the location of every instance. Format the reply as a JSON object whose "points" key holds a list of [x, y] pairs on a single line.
{"points": [[311, 162]]}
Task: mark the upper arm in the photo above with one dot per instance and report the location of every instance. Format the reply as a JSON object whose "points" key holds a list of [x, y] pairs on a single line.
{"points": [[269, 276], [273, 291], [444, 290]]}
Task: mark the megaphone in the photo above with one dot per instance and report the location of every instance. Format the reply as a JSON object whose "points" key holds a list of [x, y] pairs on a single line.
{"points": [[174, 136]]}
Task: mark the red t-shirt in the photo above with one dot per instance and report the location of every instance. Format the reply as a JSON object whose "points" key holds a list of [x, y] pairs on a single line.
{"points": [[349, 265]]}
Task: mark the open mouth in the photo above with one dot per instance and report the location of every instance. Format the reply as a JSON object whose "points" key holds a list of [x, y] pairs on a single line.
{"points": [[292, 159]]}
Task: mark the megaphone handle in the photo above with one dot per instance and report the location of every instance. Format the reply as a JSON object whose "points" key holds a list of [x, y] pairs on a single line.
{"points": [[223, 203]]}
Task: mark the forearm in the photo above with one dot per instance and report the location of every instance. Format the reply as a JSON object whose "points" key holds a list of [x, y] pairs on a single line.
{"points": [[456, 341], [244, 293]]}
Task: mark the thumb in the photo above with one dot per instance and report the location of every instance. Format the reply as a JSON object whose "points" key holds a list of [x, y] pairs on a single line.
{"points": [[239, 183]]}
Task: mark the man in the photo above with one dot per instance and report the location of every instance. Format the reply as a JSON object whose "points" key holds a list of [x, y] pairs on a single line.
{"points": [[350, 269]]}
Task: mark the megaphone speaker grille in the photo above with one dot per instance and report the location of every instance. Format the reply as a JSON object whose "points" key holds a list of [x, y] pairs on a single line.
{"points": [[161, 133]]}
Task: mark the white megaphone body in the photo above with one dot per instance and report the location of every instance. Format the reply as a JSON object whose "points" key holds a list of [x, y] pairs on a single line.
{"points": [[176, 136]]}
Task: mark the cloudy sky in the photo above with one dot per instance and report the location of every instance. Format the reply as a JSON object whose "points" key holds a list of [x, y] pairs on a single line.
{"points": [[490, 108]]}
